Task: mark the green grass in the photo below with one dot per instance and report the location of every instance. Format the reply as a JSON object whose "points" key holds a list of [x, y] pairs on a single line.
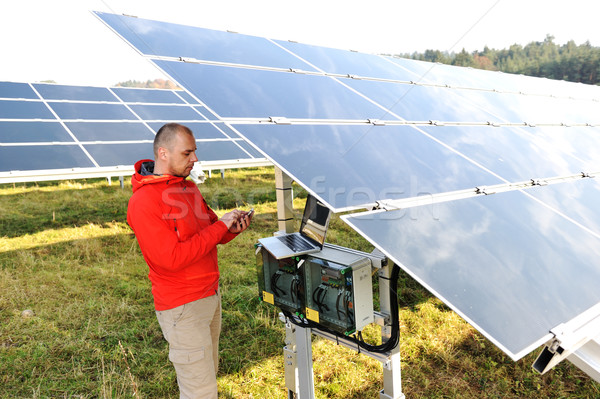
{"points": [[67, 253]]}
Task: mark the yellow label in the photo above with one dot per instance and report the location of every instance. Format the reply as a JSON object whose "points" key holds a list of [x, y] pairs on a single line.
{"points": [[268, 298], [312, 315]]}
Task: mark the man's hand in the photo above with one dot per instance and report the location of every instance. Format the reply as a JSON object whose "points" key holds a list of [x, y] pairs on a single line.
{"points": [[236, 221]]}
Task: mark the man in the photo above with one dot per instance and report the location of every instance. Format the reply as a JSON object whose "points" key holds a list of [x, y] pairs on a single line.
{"points": [[178, 235]]}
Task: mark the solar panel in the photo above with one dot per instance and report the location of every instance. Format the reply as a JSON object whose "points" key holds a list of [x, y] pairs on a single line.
{"points": [[50, 131], [160, 38], [349, 166], [16, 90], [74, 93], [247, 93], [367, 131], [508, 264]]}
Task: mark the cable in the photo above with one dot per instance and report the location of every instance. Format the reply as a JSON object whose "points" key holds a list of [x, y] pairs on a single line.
{"points": [[294, 289], [386, 346], [274, 279]]}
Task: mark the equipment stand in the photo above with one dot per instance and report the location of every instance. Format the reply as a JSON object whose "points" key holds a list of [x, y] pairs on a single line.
{"points": [[298, 350]]}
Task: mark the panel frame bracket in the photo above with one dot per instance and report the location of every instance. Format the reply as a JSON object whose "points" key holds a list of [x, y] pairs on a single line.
{"points": [[280, 120], [376, 122], [568, 338]]}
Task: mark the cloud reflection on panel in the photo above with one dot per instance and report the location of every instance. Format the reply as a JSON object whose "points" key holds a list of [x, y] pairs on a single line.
{"points": [[515, 154], [508, 264], [577, 200], [348, 166], [239, 92]]}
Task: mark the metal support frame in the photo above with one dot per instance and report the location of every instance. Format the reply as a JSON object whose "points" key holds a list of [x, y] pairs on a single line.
{"points": [[574, 340], [285, 198], [298, 350], [587, 358], [298, 345], [392, 378], [18, 176]]}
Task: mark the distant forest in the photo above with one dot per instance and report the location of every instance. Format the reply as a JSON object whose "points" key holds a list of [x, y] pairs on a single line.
{"points": [[153, 84], [571, 62]]}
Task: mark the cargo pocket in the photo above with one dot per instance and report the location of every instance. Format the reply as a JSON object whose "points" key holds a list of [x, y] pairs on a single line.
{"points": [[191, 364], [184, 356]]}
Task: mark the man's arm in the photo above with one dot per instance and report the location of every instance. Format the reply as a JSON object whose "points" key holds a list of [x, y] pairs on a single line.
{"points": [[159, 240]]}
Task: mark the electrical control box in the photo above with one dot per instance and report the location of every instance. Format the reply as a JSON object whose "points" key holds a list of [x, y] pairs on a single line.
{"points": [[281, 281], [332, 287], [339, 289]]}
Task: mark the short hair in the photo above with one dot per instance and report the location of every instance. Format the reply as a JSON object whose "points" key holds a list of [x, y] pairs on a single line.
{"points": [[165, 135]]}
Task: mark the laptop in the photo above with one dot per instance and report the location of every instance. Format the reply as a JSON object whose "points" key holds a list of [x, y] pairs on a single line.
{"points": [[309, 239]]}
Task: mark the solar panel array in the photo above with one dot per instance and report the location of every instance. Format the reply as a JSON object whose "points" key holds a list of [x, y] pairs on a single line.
{"points": [[47, 127], [424, 145]]}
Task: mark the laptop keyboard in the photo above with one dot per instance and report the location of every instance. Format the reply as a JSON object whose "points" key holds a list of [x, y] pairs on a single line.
{"points": [[297, 244]]}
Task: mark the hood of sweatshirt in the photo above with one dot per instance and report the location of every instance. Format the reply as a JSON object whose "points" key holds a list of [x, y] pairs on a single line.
{"points": [[144, 175]]}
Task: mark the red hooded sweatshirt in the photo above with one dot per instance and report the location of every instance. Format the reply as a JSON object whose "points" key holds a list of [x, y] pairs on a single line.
{"points": [[178, 235]]}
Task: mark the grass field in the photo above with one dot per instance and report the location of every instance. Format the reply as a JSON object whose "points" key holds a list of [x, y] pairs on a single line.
{"points": [[68, 255]]}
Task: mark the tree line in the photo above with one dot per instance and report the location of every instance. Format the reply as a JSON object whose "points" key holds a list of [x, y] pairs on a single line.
{"points": [[571, 62], [152, 84]]}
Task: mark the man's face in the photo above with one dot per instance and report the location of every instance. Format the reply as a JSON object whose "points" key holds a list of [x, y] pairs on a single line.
{"points": [[182, 155]]}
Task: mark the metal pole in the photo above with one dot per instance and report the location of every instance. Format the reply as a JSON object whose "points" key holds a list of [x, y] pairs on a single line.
{"points": [[298, 350], [392, 379], [285, 206]]}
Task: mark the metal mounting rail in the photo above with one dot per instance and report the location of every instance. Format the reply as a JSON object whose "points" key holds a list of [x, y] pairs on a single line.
{"points": [[346, 76], [389, 205], [393, 122]]}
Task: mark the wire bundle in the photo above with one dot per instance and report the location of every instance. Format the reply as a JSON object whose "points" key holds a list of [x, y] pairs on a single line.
{"points": [[384, 347]]}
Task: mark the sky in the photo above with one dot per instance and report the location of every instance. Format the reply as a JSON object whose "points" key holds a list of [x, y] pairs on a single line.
{"points": [[62, 40]]}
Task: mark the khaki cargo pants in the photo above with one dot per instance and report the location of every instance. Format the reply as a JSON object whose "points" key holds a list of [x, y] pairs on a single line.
{"points": [[192, 331]]}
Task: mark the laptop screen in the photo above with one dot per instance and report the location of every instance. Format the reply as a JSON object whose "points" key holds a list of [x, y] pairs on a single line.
{"points": [[315, 220]]}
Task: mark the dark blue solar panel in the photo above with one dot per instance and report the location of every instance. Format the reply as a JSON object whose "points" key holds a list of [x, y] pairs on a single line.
{"points": [[219, 150], [237, 92], [15, 158], [507, 263], [420, 103], [186, 97], [110, 131], [515, 154], [128, 154], [200, 130], [166, 39], [348, 62], [16, 90], [74, 93], [120, 154], [166, 112], [580, 142], [577, 200], [516, 108], [91, 111], [26, 132], [227, 130], [206, 113], [251, 150], [10, 109], [440, 74], [131, 95], [348, 166]]}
